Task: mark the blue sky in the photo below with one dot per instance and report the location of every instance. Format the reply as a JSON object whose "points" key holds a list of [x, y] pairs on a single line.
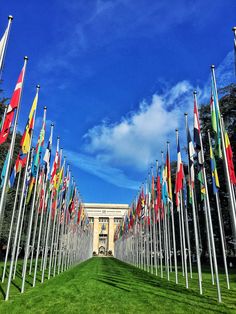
{"points": [[116, 77]]}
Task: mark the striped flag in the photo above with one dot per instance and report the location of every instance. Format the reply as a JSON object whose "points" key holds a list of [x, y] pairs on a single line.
{"points": [[25, 142], [191, 153], [196, 133], [179, 174], [47, 155], [214, 173], [229, 156], [14, 103]]}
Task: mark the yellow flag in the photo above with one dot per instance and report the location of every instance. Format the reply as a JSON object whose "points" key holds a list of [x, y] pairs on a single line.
{"points": [[26, 138]]}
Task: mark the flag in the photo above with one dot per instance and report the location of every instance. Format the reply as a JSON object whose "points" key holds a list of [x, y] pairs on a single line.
{"points": [[168, 175], [229, 156], [191, 153], [47, 155], [214, 173], [215, 115], [25, 142], [3, 43], [14, 103], [40, 143], [3, 173], [55, 167], [159, 192], [197, 134], [179, 174], [202, 185]]}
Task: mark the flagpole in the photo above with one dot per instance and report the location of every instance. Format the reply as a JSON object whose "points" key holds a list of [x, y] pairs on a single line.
{"points": [[17, 226], [160, 235], [232, 205], [11, 227], [44, 180], [40, 229], [29, 234], [222, 236], [2, 56], [48, 228], [186, 224], [165, 229], [172, 221], [11, 149], [194, 218]]}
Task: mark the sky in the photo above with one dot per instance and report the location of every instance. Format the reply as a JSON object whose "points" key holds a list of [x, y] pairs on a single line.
{"points": [[116, 77]]}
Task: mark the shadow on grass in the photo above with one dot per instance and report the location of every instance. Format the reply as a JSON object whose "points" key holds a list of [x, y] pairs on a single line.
{"points": [[131, 279]]}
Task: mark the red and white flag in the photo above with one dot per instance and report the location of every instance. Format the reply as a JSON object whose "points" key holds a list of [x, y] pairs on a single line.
{"points": [[14, 103]]}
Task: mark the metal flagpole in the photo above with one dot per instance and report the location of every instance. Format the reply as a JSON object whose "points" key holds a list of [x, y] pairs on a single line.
{"points": [[33, 239], [40, 228], [173, 224], [209, 243], [181, 243], [4, 44], [194, 217], [184, 243], [165, 235], [29, 233], [222, 236], [11, 226], [211, 233], [17, 226], [231, 199], [185, 212], [19, 248]]}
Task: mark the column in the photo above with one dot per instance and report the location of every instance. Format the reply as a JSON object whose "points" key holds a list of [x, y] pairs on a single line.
{"points": [[95, 234], [111, 235]]}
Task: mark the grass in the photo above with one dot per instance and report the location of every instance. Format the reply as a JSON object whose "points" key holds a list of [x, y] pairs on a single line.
{"points": [[106, 285]]}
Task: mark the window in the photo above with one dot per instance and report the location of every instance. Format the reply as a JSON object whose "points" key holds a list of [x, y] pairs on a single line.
{"points": [[102, 219], [117, 220], [91, 220]]}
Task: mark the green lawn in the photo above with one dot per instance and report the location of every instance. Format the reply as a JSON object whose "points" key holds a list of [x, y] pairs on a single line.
{"points": [[106, 285]]}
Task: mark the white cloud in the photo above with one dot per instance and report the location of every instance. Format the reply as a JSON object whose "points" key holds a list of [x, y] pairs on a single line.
{"points": [[96, 167], [137, 140]]}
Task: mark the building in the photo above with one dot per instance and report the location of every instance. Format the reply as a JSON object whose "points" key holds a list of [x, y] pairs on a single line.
{"points": [[104, 218]]}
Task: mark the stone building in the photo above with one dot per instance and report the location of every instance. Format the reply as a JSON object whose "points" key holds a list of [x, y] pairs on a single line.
{"points": [[104, 218]]}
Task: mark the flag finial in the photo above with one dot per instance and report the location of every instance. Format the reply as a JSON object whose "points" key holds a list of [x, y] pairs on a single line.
{"points": [[26, 58], [10, 17], [185, 114], [194, 92], [212, 66], [234, 29], [45, 107], [38, 86], [52, 124]]}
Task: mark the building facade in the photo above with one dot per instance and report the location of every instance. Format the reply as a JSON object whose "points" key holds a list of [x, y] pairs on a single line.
{"points": [[104, 218]]}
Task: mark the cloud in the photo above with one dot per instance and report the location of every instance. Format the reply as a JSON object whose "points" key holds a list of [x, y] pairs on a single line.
{"points": [[137, 140], [96, 167]]}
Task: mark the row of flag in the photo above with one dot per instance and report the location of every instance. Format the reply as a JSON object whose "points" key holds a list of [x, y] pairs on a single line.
{"points": [[147, 235], [46, 196]]}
